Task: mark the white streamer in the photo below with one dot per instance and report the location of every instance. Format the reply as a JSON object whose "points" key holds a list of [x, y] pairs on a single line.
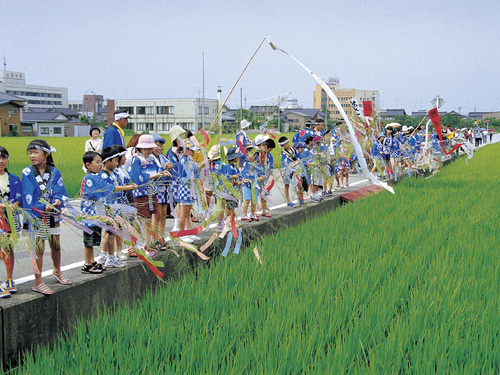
{"points": [[354, 140]]}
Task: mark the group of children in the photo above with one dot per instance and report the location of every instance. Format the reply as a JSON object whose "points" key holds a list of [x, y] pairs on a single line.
{"points": [[123, 185]]}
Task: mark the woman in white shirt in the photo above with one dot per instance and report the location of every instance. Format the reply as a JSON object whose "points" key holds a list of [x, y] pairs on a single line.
{"points": [[94, 143]]}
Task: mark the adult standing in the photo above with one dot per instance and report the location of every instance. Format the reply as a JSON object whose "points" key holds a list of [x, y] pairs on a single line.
{"points": [[114, 134], [94, 143]]}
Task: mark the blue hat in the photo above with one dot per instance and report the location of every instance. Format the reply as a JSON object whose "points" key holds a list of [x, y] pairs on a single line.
{"points": [[232, 154], [380, 135], [157, 138], [299, 144]]}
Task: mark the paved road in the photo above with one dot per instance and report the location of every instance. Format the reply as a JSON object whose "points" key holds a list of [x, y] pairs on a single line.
{"points": [[72, 243]]}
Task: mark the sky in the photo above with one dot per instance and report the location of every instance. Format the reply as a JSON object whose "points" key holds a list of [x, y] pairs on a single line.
{"points": [[410, 51]]}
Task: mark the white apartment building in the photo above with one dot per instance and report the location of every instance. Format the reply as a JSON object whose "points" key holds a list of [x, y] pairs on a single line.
{"points": [[159, 115], [36, 96]]}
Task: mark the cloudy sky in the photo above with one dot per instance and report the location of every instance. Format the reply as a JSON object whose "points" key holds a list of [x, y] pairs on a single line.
{"points": [[410, 51]]}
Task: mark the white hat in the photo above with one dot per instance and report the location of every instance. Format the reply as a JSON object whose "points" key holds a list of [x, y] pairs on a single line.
{"points": [[405, 128], [146, 141], [121, 115], [260, 138], [245, 124]]}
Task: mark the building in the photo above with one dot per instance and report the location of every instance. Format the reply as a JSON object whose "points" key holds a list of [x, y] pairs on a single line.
{"points": [[345, 95], [46, 124], [296, 118], [91, 104], [391, 114], [11, 114], [159, 115], [14, 83]]}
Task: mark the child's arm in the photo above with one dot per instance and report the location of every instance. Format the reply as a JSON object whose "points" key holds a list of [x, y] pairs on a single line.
{"points": [[126, 187]]}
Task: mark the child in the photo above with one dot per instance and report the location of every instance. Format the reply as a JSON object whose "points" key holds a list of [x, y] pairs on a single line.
{"points": [[251, 174], [91, 194], [289, 159], [188, 173], [112, 189], [163, 164], [10, 197], [142, 170], [43, 180], [123, 175], [231, 171], [318, 161], [174, 155], [303, 185], [267, 163]]}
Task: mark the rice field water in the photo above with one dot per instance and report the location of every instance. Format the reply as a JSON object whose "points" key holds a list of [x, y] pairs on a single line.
{"points": [[391, 284]]}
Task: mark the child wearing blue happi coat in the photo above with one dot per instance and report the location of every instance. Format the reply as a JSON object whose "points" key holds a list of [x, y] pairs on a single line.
{"points": [[43, 180]]}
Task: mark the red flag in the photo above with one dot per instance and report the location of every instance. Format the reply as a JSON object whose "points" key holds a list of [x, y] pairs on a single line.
{"points": [[367, 108], [434, 115]]}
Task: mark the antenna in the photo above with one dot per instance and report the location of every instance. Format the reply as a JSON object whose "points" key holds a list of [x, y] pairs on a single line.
{"points": [[4, 63]]}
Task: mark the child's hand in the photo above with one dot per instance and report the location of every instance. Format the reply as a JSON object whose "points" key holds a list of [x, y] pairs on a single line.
{"points": [[131, 187], [3, 206], [169, 165], [56, 203]]}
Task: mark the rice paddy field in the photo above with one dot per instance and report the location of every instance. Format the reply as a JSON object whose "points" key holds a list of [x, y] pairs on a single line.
{"points": [[404, 283], [68, 157]]}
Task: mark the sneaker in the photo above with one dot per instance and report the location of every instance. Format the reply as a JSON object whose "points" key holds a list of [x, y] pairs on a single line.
{"points": [[195, 238], [176, 226], [113, 261], [301, 202], [291, 204], [186, 239], [10, 286], [315, 198], [254, 217], [4, 293], [246, 218], [102, 258]]}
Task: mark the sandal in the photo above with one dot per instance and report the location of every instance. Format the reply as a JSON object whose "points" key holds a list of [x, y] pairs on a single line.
{"points": [[91, 269], [131, 252], [42, 288], [266, 215], [62, 279]]}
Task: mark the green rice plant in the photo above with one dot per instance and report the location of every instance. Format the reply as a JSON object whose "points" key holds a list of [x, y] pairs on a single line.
{"points": [[391, 284]]}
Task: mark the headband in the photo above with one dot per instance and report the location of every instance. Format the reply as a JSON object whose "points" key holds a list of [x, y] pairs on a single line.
{"points": [[114, 156], [45, 149], [284, 142]]}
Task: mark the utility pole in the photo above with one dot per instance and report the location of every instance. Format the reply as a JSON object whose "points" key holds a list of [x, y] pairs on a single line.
{"points": [[241, 104], [203, 83]]}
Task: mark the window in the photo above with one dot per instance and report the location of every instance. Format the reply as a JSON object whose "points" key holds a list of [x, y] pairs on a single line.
{"points": [[186, 125], [206, 110], [57, 130], [164, 126], [145, 126], [44, 130], [26, 129], [145, 110], [130, 110], [13, 111], [164, 110]]}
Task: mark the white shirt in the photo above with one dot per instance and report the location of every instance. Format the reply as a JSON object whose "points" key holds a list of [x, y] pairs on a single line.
{"points": [[91, 145]]}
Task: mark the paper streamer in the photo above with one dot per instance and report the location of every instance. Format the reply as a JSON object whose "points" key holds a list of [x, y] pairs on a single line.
{"points": [[207, 244], [242, 149], [194, 250], [233, 226], [228, 244], [187, 232], [256, 252], [205, 137], [238, 243], [229, 186], [155, 270]]}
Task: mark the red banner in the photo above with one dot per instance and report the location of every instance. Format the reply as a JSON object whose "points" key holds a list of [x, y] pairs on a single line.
{"points": [[367, 108], [436, 122]]}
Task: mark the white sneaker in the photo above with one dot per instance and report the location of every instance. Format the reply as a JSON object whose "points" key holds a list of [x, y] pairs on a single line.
{"points": [[113, 261], [176, 226], [102, 258], [195, 238], [186, 239]]}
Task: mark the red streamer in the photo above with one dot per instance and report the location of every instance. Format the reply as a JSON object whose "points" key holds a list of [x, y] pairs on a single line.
{"points": [[188, 232], [233, 226], [242, 149], [155, 270], [205, 136]]}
